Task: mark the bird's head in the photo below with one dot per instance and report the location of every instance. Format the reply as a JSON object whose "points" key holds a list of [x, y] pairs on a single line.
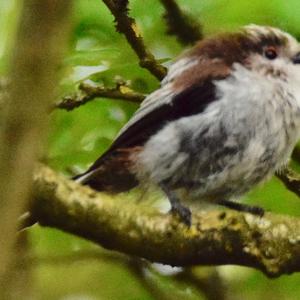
{"points": [[269, 51], [266, 50]]}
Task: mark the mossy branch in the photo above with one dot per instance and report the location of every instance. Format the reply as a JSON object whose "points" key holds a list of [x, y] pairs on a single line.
{"points": [[270, 244], [89, 91]]}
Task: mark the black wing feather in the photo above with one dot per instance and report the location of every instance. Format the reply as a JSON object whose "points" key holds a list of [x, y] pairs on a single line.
{"points": [[192, 101]]}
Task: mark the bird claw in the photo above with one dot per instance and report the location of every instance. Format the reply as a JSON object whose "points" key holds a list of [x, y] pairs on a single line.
{"points": [[183, 213]]}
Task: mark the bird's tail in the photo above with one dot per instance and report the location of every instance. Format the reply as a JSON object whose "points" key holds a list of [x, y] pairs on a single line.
{"points": [[110, 173]]}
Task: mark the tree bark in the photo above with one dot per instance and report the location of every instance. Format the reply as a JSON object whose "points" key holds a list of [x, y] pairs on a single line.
{"points": [[33, 78], [217, 237]]}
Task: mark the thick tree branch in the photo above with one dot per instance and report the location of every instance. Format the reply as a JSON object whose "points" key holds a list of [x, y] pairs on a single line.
{"points": [[127, 26], [270, 244], [88, 92], [41, 38], [180, 24]]}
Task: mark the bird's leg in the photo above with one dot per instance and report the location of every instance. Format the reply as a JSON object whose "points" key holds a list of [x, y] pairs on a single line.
{"points": [[255, 210], [177, 208]]}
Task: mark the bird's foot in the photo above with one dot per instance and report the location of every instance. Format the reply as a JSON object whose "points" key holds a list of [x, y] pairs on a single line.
{"points": [[177, 208], [182, 212]]}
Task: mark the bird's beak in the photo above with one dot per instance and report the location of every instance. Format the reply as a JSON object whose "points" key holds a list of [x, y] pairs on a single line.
{"points": [[296, 58]]}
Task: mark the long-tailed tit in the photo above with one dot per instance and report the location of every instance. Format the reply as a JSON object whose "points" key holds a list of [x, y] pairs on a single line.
{"points": [[225, 118]]}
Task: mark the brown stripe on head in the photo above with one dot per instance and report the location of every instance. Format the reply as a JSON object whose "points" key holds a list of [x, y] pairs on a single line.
{"points": [[216, 55], [235, 47]]}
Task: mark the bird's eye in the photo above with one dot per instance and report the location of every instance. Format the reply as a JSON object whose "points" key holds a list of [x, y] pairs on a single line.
{"points": [[270, 53]]}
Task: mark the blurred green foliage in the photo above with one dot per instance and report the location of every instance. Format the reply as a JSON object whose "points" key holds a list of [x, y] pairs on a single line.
{"points": [[77, 138]]}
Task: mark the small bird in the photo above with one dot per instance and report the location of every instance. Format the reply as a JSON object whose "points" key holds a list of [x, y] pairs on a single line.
{"points": [[226, 117]]}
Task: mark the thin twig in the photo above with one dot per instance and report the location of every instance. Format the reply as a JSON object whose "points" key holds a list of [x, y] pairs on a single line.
{"points": [[187, 29], [127, 26], [296, 154], [139, 270], [291, 180], [88, 92], [211, 284], [82, 255]]}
